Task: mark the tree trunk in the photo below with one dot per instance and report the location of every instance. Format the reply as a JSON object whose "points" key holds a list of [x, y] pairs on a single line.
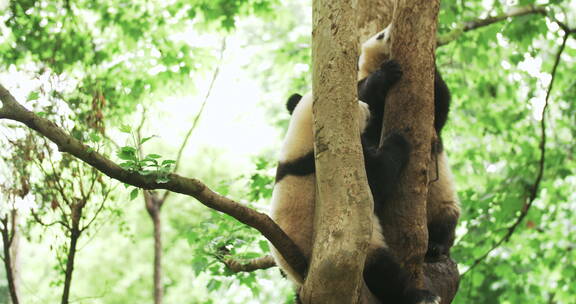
{"points": [[158, 288], [373, 16], [410, 110], [344, 205], [74, 236], [8, 263], [15, 253], [153, 205]]}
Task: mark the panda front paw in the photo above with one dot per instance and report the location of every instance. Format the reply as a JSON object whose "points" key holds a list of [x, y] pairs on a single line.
{"points": [[421, 296], [392, 71]]}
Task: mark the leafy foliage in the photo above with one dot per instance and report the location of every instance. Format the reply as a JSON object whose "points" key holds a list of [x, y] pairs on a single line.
{"points": [[147, 165], [499, 76], [100, 60]]}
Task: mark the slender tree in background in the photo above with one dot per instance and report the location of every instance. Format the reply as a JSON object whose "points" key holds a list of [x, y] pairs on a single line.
{"points": [[9, 232], [153, 201]]}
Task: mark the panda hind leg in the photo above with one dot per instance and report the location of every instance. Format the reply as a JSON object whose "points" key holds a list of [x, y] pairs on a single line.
{"points": [[385, 164], [390, 283], [441, 234]]}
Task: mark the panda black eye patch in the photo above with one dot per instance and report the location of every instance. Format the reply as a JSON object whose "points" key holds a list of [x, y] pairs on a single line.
{"points": [[300, 166], [379, 37]]}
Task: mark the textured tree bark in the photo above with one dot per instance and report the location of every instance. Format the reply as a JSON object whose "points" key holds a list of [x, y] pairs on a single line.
{"points": [[15, 252], [373, 16], [158, 288], [410, 110], [440, 275], [344, 204], [153, 204], [74, 236], [7, 241]]}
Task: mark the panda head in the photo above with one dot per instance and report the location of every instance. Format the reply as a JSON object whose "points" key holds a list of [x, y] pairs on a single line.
{"points": [[374, 52]]}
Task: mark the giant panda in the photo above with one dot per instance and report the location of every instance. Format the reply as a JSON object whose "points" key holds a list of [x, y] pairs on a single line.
{"points": [[443, 209], [294, 191]]}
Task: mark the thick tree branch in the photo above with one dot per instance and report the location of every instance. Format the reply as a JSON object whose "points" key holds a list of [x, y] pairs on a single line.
{"points": [[541, 164], [236, 265], [12, 110]]}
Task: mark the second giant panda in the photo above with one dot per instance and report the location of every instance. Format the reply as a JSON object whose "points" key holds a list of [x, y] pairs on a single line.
{"points": [[294, 191], [443, 209]]}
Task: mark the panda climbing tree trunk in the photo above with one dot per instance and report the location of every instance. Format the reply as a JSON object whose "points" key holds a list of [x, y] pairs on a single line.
{"points": [[442, 275], [410, 111], [344, 203]]}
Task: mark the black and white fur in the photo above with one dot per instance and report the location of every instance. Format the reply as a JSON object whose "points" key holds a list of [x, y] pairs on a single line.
{"points": [[294, 192], [443, 209]]}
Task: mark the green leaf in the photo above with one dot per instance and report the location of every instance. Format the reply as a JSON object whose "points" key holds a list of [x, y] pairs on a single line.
{"points": [[127, 153], [199, 264], [134, 194], [145, 139], [213, 284], [168, 162], [95, 137], [153, 156], [33, 96], [264, 246], [126, 129]]}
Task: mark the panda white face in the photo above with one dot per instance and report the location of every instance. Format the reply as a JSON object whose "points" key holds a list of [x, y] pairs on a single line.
{"points": [[375, 51]]}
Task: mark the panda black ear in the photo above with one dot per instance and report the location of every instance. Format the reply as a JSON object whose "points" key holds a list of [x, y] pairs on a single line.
{"points": [[292, 102]]}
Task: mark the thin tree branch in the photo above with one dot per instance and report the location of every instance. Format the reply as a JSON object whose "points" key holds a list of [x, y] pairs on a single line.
{"points": [[100, 208], [199, 114], [482, 22], [535, 187], [513, 12], [139, 131], [153, 205], [12, 110], [85, 195], [236, 265], [13, 225], [39, 220]]}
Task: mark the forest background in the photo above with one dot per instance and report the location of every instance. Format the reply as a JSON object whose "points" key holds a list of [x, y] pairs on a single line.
{"points": [[200, 87]]}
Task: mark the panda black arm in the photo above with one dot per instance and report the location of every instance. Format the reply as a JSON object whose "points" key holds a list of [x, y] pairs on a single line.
{"points": [[373, 89], [441, 102]]}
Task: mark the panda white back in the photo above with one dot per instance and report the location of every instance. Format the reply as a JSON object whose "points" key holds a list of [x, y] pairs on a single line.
{"points": [[293, 198]]}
